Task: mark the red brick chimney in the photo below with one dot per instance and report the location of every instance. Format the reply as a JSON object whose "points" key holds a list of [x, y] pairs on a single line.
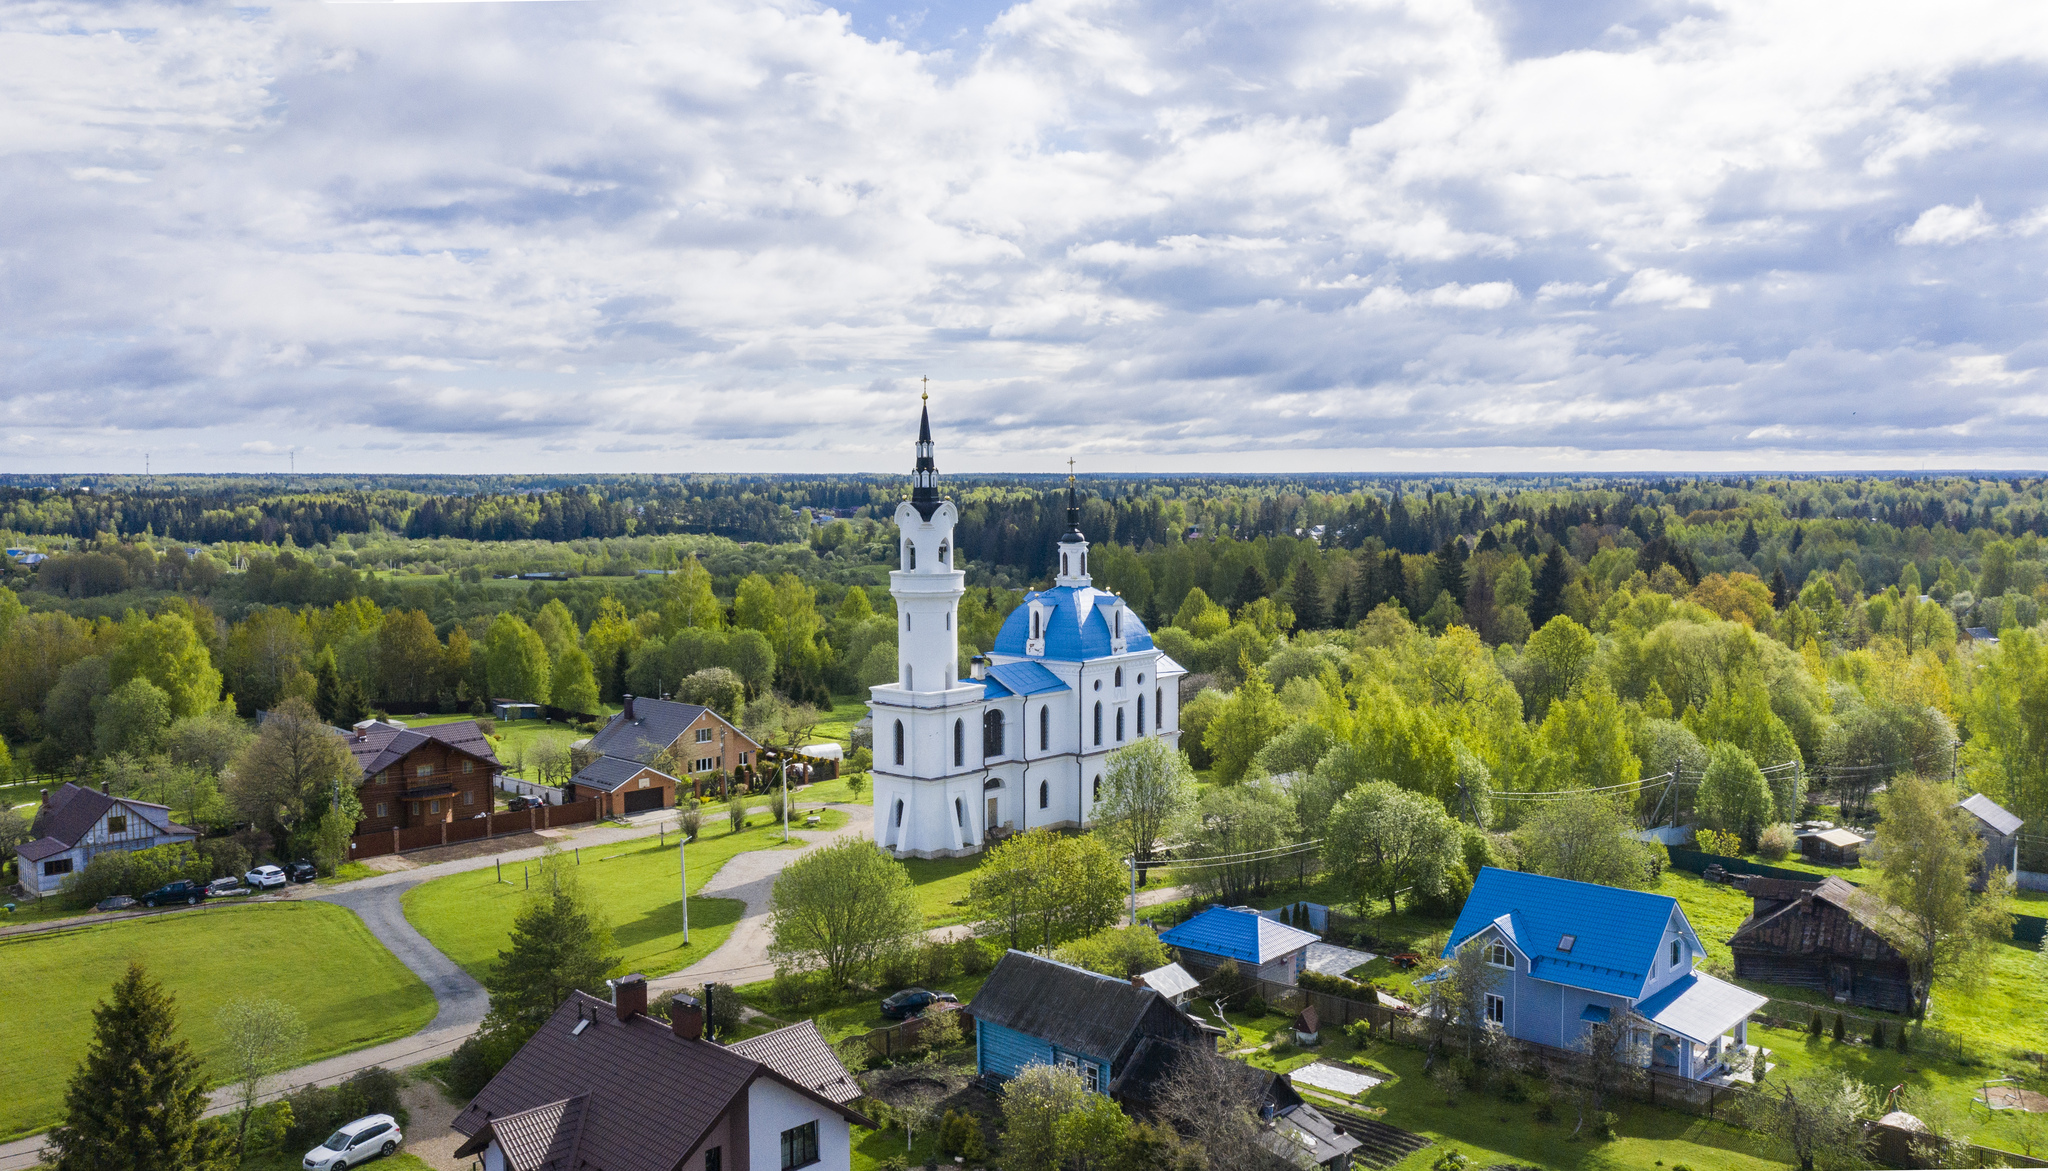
{"points": [[686, 1017], [629, 995]]}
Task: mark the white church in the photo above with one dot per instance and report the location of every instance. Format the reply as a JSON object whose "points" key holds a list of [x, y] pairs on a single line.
{"points": [[1022, 743]]}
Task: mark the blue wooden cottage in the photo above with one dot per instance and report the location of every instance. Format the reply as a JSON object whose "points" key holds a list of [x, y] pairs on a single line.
{"points": [[1262, 947], [1036, 1011], [1571, 954]]}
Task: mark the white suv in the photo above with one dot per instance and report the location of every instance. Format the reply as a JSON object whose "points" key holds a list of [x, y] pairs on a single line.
{"points": [[357, 1142], [265, 877]]}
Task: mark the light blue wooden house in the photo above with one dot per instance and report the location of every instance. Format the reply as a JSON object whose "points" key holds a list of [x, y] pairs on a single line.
{"points": [[1572, 954], [1036, 1011]]}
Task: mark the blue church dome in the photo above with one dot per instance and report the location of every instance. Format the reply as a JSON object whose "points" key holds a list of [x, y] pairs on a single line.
{"points": [[1076, 629]]}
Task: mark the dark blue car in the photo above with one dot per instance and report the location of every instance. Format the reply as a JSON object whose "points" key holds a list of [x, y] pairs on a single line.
{"points": [[912, 1001]]}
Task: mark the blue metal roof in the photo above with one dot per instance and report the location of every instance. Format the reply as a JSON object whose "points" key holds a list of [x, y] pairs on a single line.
{"points": [[1077, 628], [1616, 933], [1238, 932], [1025, 678], [1596, 1013]]}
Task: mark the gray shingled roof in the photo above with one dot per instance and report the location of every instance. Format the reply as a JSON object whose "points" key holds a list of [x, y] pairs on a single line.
{"points": [[651, 1095], [1991, 813], [799, 1053], [609, 772], [381, 747], [1078, 1010], [655, 725]]}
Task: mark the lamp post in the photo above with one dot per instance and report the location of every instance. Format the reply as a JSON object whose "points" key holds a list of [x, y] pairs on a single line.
{"points": [[683, 876], [785, 797]]}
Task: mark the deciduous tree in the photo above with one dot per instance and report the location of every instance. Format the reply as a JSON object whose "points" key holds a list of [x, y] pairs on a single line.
{"points": [[1733, 794], [1585, 838], [838, 908], [1147, 789], [1251, 716], [517, 661], [1817, 1118], [1383, 840], [1928, 854], [290, 771], [258, 1037]]}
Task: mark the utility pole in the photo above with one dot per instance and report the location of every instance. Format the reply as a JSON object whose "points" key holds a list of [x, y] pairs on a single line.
{"points": [[785, 798], [1132, 862], [683, 871]]}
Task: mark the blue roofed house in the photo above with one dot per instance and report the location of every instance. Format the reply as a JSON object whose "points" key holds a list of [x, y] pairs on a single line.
{"points": [[1574, 953], [1262, 947]]}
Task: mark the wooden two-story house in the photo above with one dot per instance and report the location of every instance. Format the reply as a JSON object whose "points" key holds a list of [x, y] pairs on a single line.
{"points": [[621, 770], [419, 776], [75, 823]]}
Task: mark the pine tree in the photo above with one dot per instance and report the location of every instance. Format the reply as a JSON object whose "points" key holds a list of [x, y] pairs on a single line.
{"points": [[558, 945], [1781, 590], [136, 1100], [1309, 613], [1550, 582], [327, 686], [1251, 586], [1749, 543], [1450, 568]]}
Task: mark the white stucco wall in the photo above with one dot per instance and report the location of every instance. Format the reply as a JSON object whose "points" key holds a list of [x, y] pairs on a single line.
{"points": [[773, 1108]]}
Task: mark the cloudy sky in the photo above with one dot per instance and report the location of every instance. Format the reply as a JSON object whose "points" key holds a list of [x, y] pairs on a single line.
{"points": [[1166, 236]]}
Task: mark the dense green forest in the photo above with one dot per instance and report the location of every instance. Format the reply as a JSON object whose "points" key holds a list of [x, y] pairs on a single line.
{"points": [[1486, 640]]}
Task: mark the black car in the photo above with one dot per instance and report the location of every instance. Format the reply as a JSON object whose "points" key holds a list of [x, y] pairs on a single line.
{"points": [[184, 890], [912, 1001], [301, 871], [518, 803]]}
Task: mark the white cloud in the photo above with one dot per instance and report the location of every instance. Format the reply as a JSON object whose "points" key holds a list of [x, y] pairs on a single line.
{"points": [[744, 229], [1947, 224], [1657, 286]]}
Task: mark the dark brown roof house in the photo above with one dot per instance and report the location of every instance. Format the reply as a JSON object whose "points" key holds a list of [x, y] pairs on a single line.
{"points": [[605, 1087], [1831, 936]]}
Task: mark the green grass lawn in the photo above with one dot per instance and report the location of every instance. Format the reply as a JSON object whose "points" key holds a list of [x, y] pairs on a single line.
{"points": [[847, 710], [854, 1012], [469, 916], [942, 887], [316, 957], [512, 735]]}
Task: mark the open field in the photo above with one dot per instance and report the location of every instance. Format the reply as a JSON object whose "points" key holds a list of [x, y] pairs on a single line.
{"points": [[469, 916], [847, 710], [316, 957]]}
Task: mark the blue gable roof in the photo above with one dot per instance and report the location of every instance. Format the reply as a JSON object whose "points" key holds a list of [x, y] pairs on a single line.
{"points": [[1615, 933], [1077, 628], [1019, 679], [1238, 932]]}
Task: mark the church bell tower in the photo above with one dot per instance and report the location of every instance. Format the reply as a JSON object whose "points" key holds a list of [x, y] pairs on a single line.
{"points": [[925, 585]]}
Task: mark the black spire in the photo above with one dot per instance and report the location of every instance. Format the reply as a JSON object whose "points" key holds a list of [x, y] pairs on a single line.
{"points": [[924, 478], [1073, 535]]}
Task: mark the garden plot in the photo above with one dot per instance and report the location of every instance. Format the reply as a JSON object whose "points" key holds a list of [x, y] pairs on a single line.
{"points": [[1335, 1078]]}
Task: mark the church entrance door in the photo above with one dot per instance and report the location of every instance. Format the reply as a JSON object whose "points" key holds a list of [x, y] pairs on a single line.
{"points": [[990, 826]]}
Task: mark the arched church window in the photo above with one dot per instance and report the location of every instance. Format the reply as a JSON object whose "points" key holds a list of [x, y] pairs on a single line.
{"points": [[1044, 727], [1119, 676], [945, 554], [909, 681], [1063, 563], [899, 741], [1159, 706], [1044, 795], [1035, 628], [1119, 631], [1084, 563], [1098, 721], [1119, 725], [949, 620], [959, 743], [1098, 789], [910, 554], [992, 733], [1141, 715], [959, 813], [899, 813]]}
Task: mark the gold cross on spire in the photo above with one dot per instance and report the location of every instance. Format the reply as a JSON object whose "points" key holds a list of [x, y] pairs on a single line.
{"points": [[927, 380], [1070, 469]]}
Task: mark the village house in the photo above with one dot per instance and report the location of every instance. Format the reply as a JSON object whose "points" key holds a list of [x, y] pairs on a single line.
{"points": [[1828, 936], [1036, 1011], [419, 776], [1570, 955], [2000, 832], [605, 1086], [75, 823], [626, 762], [1832, 847], [1262, 947]]}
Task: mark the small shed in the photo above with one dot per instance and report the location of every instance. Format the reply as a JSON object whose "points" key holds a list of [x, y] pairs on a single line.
{"points": [[1829, 936], [1171, 981], [505, 709], [2000, 832], [1308, 1027], [1837, 847]]}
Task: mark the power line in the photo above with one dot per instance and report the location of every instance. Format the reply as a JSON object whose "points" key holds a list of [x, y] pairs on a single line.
{"points": [[1221, 859]]}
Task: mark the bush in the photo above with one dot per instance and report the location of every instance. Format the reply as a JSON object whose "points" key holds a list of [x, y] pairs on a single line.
{"points": [[1776, 841], [134, 872], [728, 1011], [899, 968], [972, 956], [477, 1060], [960, 1137], [1719, 842], [487, 725], [693, 820], [224, 856], [1255, 1005], [1337, 986], [1813, 1027], [1877, 1034], [736, 812], [1840, 1032], [316, 1111], [778, 805], [935, 960], [1899, 1038]]}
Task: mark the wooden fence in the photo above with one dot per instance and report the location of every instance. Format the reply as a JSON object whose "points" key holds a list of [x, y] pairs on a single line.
{"points": [[903, 1037], [470, 829]]}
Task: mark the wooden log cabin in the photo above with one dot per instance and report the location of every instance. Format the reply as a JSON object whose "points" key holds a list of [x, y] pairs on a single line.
{"points": [[1829, 936]]}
